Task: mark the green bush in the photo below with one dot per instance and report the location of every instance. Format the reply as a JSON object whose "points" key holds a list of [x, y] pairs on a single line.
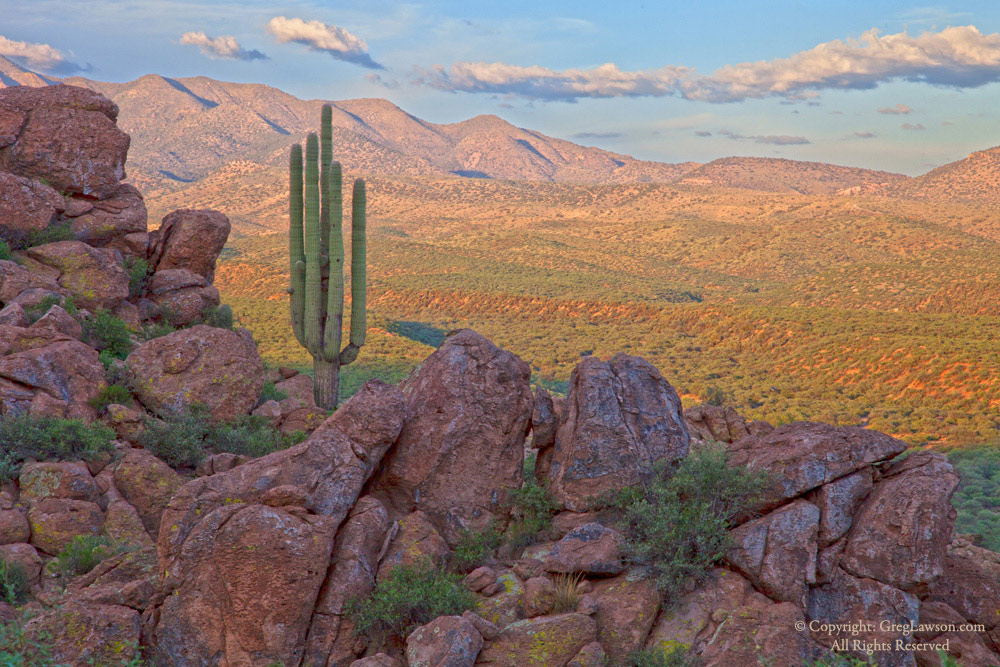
{"points": [[473, 548], [13, 582], [113, 393], [977, 498], [18, 650], [6, 252], [673, 656], [82, 555], [678, 522], [218, 316], [40, 438], [36, 311], [271, 393], [410, 596], [157, 329], [59, 232], [532, 507], [107, 333], [138, 275], [184, 440]]}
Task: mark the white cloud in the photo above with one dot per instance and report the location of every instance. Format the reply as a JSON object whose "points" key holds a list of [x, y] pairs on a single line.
{"points": [[38, 56], [896, 110], [960, 57], [541, 83], [318, 36], [911, 126], [223, 46]]}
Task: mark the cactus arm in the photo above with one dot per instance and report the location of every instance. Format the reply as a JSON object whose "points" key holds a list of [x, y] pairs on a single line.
{"points": [[326, 158], [297, 258], [313, 293], [359, 274], [335, 286]]}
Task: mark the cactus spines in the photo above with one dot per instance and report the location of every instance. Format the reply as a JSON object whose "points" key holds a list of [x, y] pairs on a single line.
{"points": [[316, 261]]}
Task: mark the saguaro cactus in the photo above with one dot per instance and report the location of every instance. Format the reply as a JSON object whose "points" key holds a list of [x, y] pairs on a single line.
{"points": [[316, 261]]}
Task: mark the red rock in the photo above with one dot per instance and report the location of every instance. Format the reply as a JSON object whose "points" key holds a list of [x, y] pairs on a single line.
{"points": [[13, 315], [75, 146], [901, 532], [215, 367], [11, 122], [123, 525], [15, 279], [591, 549], [26, 205], [14, 526], [463, 446], [57, 318], [626, 609], [107, 222], [25, 98], [543, 420], [78, 633], [447, 641], [540, 642], [777, 552], [126, 422], [222, 462], [416, 542], [480, 578], [148, 484], [56, 521], [68, 372], [56, 479], [802, 456], [182, 293], [602, 446], [377, 660], [539, 596], [228, 602], [968, 648], [970, 584], [505, 606], [24, 555], [721, 424], [269, 410], [190, 240], [91, 275], [485, 628], [591, 655], [352, 570]]}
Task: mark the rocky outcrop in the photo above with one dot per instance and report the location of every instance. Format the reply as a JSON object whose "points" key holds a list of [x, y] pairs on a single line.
{"points": [[462, 446], [217, 368], [189, 240], [620, 418], [714, 423]]}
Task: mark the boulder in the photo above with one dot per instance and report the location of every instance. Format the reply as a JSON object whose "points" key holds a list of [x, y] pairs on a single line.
{"points": [[543, 420], [901, 533], [480, 578], [189, 240], [56, 521], [26, 205], [968, 647], [228, 601], [505, 603], [148, 484], [447, 641], [330, 466], [714, 423], [591, 655], [416, 542], [970, 584], [14, 526], [626, 609], [217, 368], [107, 222], [592, 549], [13, 315], [24, 555], [127, 578], [802, 456], [59, 378], [15, 279], [331, 638], [69, 139], [539, 596], [126, 422], [91, 275], [183, 294], [620, 418], [123, 525], [58, 319], [56, 479], [777, 552], [546, 641], [463, 445], [77, 633], [486, 629]]}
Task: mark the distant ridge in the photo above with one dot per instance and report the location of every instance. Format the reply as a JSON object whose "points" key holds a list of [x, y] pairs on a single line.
{"points": [[12, 74], [782, 175]]}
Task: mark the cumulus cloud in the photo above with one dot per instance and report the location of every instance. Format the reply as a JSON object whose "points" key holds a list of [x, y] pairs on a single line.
{"points": [[960, 57], [318, 36], [223, 46], [39, 56], [542, 83], [896, 110], [911, 126]]}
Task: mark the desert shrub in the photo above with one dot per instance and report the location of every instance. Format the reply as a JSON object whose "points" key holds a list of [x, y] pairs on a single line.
{"points": [[138, 275], [18, 650], [82, 555], [112, 393], [475, 547], [58, 232], [185, 439], [532, 507], [678, 522], [6, 252], [678, 655], [36, 311], [157, 329], [977, 498], [715, 395], [109, 334], [40, 438], [218, 316], [13, 582], [410, 596], [270, 393], [568, 592]]}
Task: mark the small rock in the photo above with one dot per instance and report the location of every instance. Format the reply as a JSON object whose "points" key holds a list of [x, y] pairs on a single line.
{"points": [[480, 578], [447, 641], [539, 596]]}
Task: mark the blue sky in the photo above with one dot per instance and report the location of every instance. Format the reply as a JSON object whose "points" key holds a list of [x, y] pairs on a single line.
{"points": [[886, 85]]}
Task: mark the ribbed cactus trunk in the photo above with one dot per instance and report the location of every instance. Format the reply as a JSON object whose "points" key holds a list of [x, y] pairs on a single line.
{"points": [[316, 261]]}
